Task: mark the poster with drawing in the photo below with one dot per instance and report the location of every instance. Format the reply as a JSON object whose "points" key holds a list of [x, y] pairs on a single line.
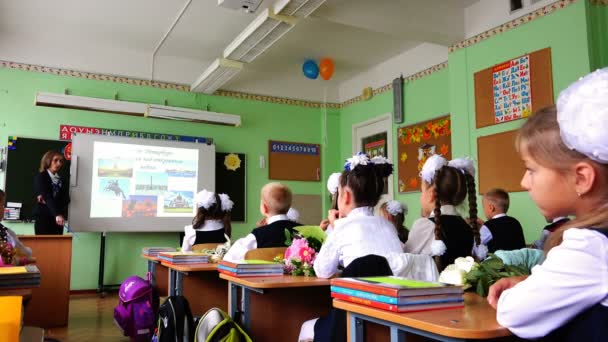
{"points": [[511, 90], [418, 142]]}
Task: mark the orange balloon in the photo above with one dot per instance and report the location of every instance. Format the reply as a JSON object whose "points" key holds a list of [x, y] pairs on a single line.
{"points": [[326, 68]]}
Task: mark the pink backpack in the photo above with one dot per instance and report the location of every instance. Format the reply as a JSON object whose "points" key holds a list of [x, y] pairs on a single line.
{"points": [[137, 307]]}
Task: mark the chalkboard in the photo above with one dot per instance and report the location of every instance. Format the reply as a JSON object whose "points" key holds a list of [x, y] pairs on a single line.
{"points": [[22, 163], [230, 174]]}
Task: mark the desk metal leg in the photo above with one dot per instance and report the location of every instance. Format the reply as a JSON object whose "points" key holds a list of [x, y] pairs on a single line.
{"points": [[179, 283], [397, 335], [152, 270], [172, 281], [246, 308], [357, 334], [233, 299]]}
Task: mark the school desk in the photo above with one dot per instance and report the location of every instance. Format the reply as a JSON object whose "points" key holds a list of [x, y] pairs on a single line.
{"points": [[54, 260], [158, 271], [200, 284], [274, 308], [477, 320]]}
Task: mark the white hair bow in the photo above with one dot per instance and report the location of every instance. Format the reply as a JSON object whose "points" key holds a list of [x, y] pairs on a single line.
{"points": [[432, 164], [226, 203], [466, 165], [204, 199]]}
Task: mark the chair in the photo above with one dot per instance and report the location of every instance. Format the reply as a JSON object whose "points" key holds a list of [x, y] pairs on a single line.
{"points": [[201, 246], [267, 254]]}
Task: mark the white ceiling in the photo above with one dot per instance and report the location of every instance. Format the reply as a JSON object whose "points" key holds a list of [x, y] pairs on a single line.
{"points": [[118, 37]]}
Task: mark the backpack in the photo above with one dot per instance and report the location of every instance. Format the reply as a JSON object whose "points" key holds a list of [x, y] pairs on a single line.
{"points": [[175, 322], [217, 326], [136, 309]]}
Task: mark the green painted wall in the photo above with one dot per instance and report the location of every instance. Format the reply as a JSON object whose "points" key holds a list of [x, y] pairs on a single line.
{"points": [[261, 121], [597, 26], [452, 91]]}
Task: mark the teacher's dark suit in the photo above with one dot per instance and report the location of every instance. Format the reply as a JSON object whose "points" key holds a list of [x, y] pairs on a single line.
{"points": [[45, 213]]}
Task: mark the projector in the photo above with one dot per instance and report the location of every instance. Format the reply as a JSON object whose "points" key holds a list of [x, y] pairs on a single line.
{"points": [[249, 6]]}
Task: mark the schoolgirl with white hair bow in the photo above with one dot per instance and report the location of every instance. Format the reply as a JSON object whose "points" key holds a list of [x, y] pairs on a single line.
{"points": [[395, 212], [442, 232], [565, 151], [212, 221]]}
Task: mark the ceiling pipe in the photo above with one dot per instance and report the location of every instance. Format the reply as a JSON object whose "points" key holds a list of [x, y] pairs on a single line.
{"points": [[158, 46]]}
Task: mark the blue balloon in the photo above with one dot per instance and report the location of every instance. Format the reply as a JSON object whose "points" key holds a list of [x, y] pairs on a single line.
{"points": [[310, 69]]}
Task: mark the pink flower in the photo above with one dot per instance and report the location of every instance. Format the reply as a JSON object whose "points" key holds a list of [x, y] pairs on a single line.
{"points": [[294, 249], [307, 254]]}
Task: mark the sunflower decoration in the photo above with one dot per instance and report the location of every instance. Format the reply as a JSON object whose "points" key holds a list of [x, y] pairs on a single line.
{"points": [[232, 162]]}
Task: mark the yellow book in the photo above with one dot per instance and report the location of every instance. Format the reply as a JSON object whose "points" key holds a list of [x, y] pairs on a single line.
{"points": [[13, 270]]}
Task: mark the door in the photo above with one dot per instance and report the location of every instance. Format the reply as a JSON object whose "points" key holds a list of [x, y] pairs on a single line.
{"points": [[375, 138]]}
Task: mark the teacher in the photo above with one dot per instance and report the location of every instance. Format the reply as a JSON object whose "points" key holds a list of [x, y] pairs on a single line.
{"points": [[52, 196]]}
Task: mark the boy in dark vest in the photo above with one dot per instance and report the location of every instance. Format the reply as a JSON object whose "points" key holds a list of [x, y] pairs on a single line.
{"points": [[500, 232], [274, 205]]}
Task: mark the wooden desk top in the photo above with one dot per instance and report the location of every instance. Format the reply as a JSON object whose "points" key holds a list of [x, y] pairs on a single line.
{"points": [[51, 237], [151, 258], [477, 320], [26, 294], [276, 282], [190, 268]]}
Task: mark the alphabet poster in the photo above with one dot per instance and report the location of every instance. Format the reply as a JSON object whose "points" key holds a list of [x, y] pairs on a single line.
{"points": [[511, 89]]}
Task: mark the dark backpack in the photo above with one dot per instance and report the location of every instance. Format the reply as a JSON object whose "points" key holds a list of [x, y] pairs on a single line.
{"points": [[137, 307], [175, 322]]}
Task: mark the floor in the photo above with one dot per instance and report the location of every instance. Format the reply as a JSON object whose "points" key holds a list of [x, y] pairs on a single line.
{"points": [[91, 319]]}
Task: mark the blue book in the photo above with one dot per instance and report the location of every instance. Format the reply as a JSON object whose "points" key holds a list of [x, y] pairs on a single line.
{"points": [[410, 300], [250, 271]]}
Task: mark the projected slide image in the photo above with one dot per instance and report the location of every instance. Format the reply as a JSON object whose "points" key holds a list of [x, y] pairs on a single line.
{"points": [[115, 168], [139, 206], [187, 169], [151, 183], [114, 187], [179, 202]]}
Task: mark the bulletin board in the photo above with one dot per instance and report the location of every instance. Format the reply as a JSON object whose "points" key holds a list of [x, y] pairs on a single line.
{"points": [[230, 179], [418, 142], [500, 166], [22, 163], [294, 161], [514, 89]]}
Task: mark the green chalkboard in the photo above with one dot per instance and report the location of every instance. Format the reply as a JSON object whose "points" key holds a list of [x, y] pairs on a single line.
{"points": [[230, 179], [22, 163]]}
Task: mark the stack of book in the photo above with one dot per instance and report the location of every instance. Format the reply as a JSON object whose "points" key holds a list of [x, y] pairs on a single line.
{"points": [[19, 277], [184, 258], [154, 251], [397, 294], [251, 268]]}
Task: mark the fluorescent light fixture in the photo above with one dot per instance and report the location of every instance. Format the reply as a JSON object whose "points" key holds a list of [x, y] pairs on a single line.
{"points": [[135, 108], [297, 8], [216, 75], [90, 103], [264, 31], [193, 115]]}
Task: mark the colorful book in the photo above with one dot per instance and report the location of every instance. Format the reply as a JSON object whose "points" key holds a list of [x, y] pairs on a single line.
{"points": [[250, 270], [397, 308], [410, 300], [250, 274], [251, 264], [396, 286]]}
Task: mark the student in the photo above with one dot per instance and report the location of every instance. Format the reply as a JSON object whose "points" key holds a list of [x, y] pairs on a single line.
{"points": [[565, 150], [22, 254], [212, 220], [444, 234], [395, 212], [553, 225], [274, 205], [357, 232], [332, 186], [500, 232]]}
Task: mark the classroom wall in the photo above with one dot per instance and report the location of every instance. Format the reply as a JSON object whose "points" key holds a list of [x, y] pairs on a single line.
{"points": [[451, 91], [597, 26], [261, 121]]}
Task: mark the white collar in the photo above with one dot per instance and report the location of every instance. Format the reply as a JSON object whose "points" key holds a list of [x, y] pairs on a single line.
{"points": [[212, 225], [498, 216], [559, 219], [361, 211], [275, 218], [446, 209]]}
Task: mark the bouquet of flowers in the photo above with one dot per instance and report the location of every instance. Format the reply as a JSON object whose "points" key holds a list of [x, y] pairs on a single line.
{"points": [[479, 277], [302, 250]]}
